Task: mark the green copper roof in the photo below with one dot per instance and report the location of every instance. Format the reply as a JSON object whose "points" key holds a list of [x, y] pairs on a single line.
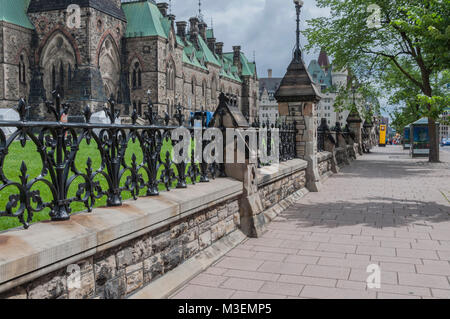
{"points": [[14, 11], [145, 19], [209, 56], [247, 68]]}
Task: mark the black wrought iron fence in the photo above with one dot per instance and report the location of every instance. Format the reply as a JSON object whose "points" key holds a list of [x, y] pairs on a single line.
{"points": [[283, 131], [58, 146]]}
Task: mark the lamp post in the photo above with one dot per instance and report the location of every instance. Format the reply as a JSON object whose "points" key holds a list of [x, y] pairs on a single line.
{"points": [[298, 6]]}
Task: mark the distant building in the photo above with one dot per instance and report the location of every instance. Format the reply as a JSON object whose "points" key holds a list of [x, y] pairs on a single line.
{"points": [[268, 105], [327, 81], [444, 129]]}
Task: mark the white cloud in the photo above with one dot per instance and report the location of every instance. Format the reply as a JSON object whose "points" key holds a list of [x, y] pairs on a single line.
{"points": [[266, 27]]}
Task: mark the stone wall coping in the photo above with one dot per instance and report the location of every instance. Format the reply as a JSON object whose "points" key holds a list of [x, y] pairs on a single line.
{"points": [[323, 156], [47, 246], [270, 174]]}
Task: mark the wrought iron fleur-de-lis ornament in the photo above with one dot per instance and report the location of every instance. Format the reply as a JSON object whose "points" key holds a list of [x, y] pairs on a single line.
{"points": [[111, 112]]}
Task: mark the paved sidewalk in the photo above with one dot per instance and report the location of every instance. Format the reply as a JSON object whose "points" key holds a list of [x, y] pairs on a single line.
{"points": [[385, 209]]}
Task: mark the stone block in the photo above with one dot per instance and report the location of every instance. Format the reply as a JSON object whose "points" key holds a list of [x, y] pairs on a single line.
{"points": [[84, 286], [172, 258], [205, 239], [52, 286], [190, 249], [153, 268], [161, 241], [177, 230], [218, 231], [135, 281], [105, 269]]}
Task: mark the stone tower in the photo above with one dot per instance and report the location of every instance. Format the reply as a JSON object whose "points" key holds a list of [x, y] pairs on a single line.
{"points": [[77, 46]]}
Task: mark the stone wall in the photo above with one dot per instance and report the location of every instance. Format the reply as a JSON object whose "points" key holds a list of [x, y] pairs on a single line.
{"points": [[278, 190], [325, 163], [277, 182], [119, 271], [14, 42], [341, 154]]}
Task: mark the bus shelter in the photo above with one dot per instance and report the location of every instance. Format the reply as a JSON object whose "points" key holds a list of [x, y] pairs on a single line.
{"points": [[420, 138]]}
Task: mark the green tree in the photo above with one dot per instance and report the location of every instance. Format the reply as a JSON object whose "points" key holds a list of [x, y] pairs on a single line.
{"points": [[412, 36]]}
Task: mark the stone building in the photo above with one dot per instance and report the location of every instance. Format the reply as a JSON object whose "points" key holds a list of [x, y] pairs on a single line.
{"points": [[444, 128], [94, 49], [268, 105], [328, 81]]}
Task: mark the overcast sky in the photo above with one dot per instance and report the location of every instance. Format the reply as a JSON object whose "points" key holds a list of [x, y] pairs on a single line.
{"points": [[265, 27]]}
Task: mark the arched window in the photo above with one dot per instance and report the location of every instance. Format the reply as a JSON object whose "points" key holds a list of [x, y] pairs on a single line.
{"points": [[139, 78], [140, 108], [204, 88], [136, 76], [61, 75], [193, 84], [134, 79], [53, 77], [22, 77], [213, 89], [69, 74], [170, 77]]}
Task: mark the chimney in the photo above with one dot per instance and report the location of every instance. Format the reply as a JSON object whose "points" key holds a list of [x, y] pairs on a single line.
{"points": [[163, 7], [193, 33], [237, 57], [212, 44], [269, 73], [181, 29], [202, 26], [219, 48], [171, 19]]}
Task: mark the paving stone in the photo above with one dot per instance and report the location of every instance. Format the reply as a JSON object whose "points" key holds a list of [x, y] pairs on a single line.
{"points": [[443, 270], [243, 284], [282, 268], [335, 293], [327, 272], [311, 281], [240, 263], [255, 296], [202, 292], [208, 280], [251, 275], [420, 280], [279, 288], [417, 253]]}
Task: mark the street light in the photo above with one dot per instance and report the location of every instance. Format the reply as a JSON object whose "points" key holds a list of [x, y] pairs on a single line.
{"points": [[298, 6]]}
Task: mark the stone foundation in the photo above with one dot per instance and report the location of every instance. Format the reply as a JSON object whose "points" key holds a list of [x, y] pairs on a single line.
{"points": [[325, 164], [119, 271], [275, 187]]}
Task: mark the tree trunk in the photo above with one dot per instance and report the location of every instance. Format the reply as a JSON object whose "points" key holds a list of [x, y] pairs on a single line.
{"points": [[434, 143]]}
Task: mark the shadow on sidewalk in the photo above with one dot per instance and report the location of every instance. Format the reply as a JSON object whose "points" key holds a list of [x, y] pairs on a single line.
{"points": [[377, 212]]}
